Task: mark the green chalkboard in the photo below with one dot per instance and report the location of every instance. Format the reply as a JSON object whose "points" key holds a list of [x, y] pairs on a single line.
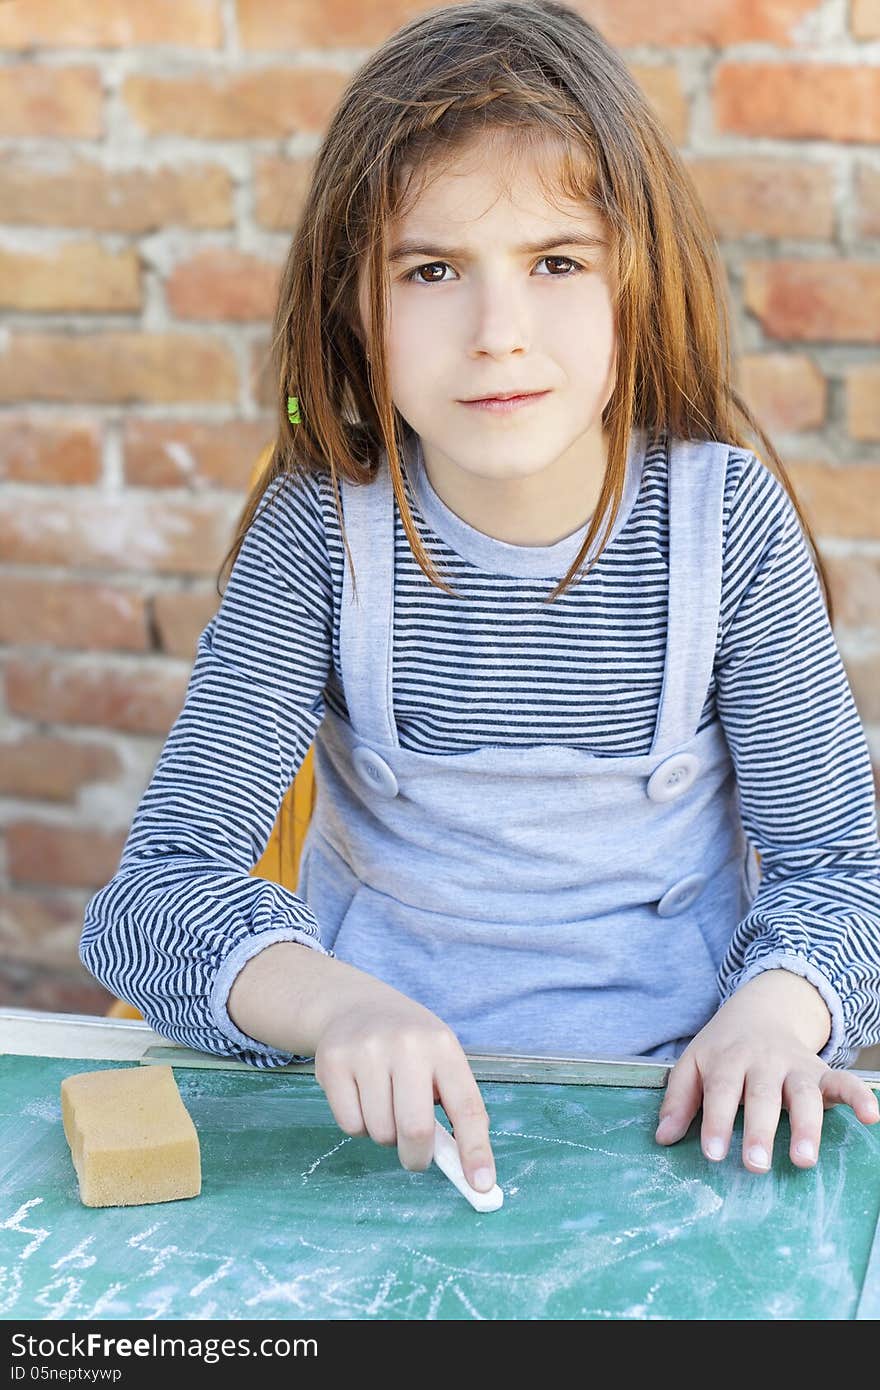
{"points": [[298, 1220]]}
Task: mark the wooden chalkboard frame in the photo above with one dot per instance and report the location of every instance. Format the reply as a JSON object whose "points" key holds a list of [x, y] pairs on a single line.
{"points": [[30, 1032]]}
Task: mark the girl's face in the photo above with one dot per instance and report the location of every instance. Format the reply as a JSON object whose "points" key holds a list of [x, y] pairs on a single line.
{"points": [[476, 310]]}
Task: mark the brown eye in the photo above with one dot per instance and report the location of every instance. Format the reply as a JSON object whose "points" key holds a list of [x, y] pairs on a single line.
{"points": [[574, 269], [430, 265], [567, 260]]}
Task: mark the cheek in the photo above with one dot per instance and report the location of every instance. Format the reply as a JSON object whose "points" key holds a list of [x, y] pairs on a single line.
{"points": [[587, 333], [586, 355], [415, 318], [417, 338]]}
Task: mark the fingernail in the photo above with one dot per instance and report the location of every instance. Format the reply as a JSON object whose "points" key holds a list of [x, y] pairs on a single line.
{"points": [[483, 1179], [758, 1156], [714, 1148], [804, 1149], [666, 1126]]}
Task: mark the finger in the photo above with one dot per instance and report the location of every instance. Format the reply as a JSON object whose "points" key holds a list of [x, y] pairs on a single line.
{"points": [[338, 1084], [722, 1092], [762, 1101], [806, 1110], [374, 1090], [412, 1092], [844, 1087], [684, 1092], [461, 1099]]}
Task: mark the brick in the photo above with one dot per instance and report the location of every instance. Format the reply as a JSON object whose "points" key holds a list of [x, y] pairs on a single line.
{"points": [[110, 24], [138, 697], [867, 216], [863, 671], [682, 23], [54, 769], [292, 24], [223, 283], [798, 101], [826, 300], [49, 451], [863, 402], [37, 100], [141, 534], [661, 85], [117, 367], [841, 501], [864, 19], [67, 989], [180, 619], [855, 587], [280, 187], [188, 453], [269, 103], [65, 613], [82, 276], [61, 855], [39, 928], [261, 378], [52, 190], [760, 196], [275, 25], [783, 390]]}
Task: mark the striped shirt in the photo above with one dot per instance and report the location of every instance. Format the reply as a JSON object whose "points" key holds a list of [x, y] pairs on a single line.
{"points": [[498, 666]]}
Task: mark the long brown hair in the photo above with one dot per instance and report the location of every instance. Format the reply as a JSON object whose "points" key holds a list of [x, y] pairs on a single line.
{"points": [[534, 71]]}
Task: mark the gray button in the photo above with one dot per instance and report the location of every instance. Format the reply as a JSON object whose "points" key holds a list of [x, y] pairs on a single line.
{"points": [[374, 772], [673, 777], [681, 895]]}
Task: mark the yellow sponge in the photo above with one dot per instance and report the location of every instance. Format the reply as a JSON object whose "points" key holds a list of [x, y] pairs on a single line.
{"points": [[131, 1137]]}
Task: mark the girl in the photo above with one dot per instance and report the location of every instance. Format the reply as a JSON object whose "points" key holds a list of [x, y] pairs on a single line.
{"points": [[545, 759]]}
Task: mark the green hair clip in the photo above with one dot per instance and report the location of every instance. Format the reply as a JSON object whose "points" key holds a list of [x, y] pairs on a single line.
{"points": [[293, 410]]}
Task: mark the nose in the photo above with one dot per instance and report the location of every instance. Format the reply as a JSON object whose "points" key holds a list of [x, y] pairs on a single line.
{"points": [[499, 319]]}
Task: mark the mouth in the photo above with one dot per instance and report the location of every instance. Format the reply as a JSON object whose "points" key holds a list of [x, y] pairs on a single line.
{"points": [[502, 396], [507, 403]]}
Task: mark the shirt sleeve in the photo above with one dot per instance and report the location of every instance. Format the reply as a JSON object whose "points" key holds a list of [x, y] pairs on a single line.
{"points": [[183, 913], [803, 770]]}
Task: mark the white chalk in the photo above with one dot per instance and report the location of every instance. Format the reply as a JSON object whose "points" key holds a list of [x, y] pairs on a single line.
{"points": [[447, 1159]]}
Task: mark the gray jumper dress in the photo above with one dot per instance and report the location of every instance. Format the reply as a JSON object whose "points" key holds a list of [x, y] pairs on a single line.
{"points": [[540, 900]]}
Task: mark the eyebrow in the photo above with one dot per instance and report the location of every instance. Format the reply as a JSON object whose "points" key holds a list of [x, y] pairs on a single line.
{"points": [[415, 247]]}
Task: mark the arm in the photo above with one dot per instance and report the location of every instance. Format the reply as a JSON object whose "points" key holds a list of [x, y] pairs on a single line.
{"points": [[285, 996], [183, 914], [803, 771]]}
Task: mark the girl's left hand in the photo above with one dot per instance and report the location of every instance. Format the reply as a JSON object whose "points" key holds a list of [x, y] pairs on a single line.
{"points": [[760, 1049]]}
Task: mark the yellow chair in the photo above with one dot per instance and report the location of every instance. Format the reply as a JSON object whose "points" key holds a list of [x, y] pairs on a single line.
{"points": [[280, 859]]}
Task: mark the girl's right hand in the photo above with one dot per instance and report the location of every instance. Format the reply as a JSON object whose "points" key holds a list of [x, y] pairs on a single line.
{"points": [[383, 1061]]}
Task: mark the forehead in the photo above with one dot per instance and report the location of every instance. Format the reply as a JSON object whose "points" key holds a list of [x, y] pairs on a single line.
{"points": [[536, 172]]}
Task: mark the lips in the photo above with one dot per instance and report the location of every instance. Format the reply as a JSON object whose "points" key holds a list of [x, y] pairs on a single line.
{"points": [[501, 396]]}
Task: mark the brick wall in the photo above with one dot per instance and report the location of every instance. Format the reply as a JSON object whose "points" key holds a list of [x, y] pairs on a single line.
{"points": [[152, 157]]}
